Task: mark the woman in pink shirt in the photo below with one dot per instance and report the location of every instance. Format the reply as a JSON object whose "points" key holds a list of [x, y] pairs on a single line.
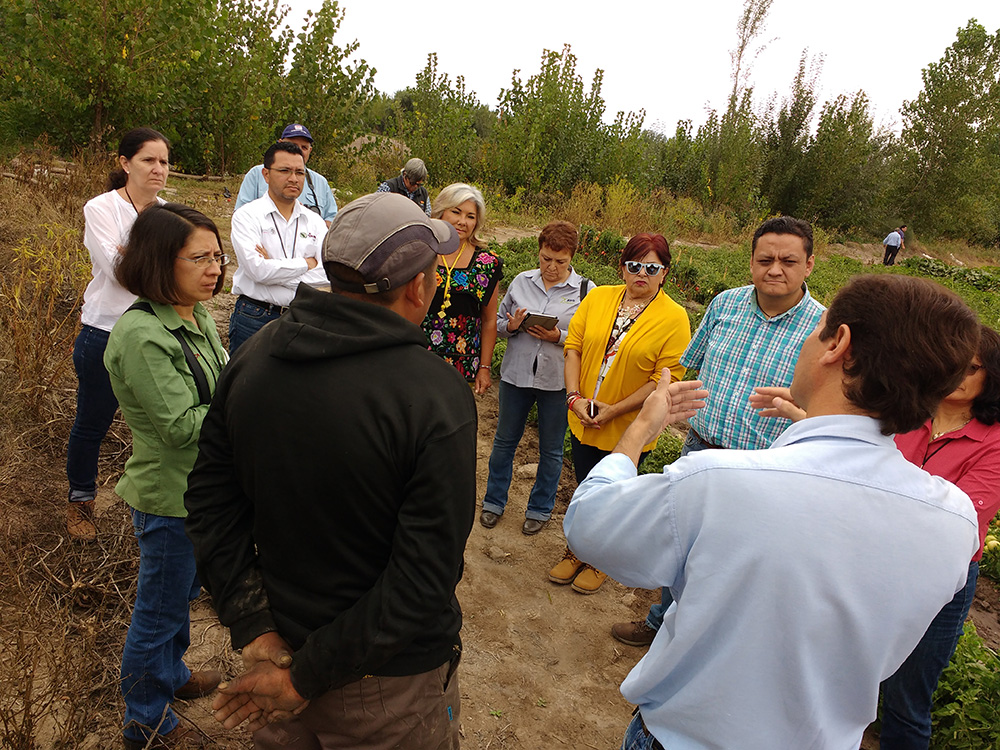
{"points": [[961, 444]]}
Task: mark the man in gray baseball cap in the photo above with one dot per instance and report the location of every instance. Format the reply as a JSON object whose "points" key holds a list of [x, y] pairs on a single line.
{"points": [[332, 498]]}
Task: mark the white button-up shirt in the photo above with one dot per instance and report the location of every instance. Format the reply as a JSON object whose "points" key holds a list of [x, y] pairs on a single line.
{"points": [[288, 244], [804, 574]]}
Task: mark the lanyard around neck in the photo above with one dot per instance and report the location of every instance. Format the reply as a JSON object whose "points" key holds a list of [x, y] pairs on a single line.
{"points": [[295, 237]]}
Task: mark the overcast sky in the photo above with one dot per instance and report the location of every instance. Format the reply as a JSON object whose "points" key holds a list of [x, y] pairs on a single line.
{"points": [[669, 58]]}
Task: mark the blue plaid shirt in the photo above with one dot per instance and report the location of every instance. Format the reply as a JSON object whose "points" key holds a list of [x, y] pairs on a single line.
{"points": [[737, 348]]}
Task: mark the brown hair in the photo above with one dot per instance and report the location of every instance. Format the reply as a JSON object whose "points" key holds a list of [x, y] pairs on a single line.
{"points": [[147, 265], [911, 343], [559, 236]]}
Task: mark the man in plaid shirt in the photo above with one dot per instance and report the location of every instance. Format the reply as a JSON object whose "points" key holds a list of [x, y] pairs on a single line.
{"points": [[749, 337]]}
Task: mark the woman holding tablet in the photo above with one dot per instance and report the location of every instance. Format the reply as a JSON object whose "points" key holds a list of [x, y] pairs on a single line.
{"points": [[534, 318]]}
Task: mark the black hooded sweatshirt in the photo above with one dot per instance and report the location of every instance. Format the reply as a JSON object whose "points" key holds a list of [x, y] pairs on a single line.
{"points": [[334, 492]]}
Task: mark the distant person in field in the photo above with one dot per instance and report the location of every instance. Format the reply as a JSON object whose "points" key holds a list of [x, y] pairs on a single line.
{"points": [[140, 174], [277, 243], [316, 194], [892, 244], [532, 373], [750, 336], [410, 183], [803, 574]]}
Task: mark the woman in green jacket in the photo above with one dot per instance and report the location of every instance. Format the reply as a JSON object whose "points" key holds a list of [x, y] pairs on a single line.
{"points": [[164, 357]]}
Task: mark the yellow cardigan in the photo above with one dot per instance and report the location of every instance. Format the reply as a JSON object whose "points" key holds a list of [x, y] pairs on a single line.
{"points": [[656, 340]]}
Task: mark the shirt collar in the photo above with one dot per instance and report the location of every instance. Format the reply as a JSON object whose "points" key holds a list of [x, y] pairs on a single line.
{"points": [[790, 311], [574, 279], [847, 426], [297, 208], [974, 430]]}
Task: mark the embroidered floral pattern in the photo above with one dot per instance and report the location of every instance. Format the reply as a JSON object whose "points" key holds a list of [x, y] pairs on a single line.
{"points": [[457, 337]]}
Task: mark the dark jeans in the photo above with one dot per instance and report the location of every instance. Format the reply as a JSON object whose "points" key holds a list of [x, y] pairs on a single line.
{"points": [[637, 737], [160, 632], [890, 255], [515, 403], [95, 408], [692, 444], [247, 318], [906, 696]]}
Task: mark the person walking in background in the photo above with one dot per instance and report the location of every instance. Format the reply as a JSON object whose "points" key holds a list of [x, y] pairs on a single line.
{"points": [[750, 336], [804, 573], [620, 342], [532, 373], [461, 324], [141, 173], [336, 574], [315, 194], [892, 244], [277, 243], [164, 358], [410, 182]]}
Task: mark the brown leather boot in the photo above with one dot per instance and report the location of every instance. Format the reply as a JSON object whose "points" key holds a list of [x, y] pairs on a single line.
{"points": [[80, 521], [178, 738], [201, 683]]}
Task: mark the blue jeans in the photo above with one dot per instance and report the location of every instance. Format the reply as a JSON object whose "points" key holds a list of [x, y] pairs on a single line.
{"points": [[692, 444], [637, 738], [152, 667], [906, 696], [95, 408], [515, 403], [247, 318]]}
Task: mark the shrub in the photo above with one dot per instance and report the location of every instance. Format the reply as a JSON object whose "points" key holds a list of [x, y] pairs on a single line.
{"points": [[967, 701]]}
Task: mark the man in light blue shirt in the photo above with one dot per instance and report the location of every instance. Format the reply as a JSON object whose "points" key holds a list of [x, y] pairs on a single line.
{"points": [[804, 574], [316, 194]]}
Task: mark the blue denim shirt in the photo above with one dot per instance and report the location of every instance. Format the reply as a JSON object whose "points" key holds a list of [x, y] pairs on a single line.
{"points": [[804, 575]]}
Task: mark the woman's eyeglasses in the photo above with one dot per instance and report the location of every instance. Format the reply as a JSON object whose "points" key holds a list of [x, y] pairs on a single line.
{"points": [[652, 269], [206, 260]]}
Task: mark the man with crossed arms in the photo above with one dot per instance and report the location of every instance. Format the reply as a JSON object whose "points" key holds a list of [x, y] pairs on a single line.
{"points": [[277, 243]]}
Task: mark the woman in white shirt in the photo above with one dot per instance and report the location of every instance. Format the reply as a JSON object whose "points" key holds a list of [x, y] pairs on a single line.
{"points": [[143, 163]]}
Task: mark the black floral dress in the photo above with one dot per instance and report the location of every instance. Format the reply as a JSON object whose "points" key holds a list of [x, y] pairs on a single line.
{"points": [[457, 337]]}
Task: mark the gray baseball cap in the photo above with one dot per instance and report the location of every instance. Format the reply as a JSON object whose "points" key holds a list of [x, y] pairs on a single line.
{"points": [[386, 238]]}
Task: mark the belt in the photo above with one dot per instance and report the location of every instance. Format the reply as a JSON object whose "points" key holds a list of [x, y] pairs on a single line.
{"points": [[702, 440], [656, 743], [269, 308]]}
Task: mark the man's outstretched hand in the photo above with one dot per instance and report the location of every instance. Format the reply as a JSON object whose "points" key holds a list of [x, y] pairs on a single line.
{"points": [[669, 403]]}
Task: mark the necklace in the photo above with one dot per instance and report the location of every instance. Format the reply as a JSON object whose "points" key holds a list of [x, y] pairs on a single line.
{"points": [[936, 435], [446, 303], [125, 188]]}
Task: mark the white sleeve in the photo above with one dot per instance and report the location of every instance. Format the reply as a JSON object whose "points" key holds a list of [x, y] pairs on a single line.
{"points": [[101, 235]]}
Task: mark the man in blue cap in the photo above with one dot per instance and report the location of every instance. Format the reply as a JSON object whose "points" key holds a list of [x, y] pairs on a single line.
{"points": [[316, 194]]}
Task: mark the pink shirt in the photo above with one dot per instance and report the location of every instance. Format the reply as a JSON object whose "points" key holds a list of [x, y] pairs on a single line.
{"points": [[968, 458]]}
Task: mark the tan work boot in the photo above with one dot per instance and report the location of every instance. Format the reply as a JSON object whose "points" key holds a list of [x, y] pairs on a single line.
{"points": [[566, 569], [80, 521], [589, 580]]}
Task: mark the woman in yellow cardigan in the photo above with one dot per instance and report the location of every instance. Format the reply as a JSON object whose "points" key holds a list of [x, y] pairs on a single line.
{"points": [[619, 341]]}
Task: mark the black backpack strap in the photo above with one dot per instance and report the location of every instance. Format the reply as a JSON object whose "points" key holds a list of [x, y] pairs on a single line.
{"points": [[584, 288], [197, 371]]}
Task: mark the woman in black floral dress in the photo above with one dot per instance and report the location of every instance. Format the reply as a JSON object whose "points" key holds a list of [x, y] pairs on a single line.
{"points": [[461, 324]]}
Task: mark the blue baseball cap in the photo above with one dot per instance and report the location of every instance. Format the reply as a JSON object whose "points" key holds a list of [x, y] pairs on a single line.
{"points": [[296, 131]]}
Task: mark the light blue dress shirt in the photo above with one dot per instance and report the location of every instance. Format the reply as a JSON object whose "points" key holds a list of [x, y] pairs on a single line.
{"points": [[530, 362], [803, 576], [319, 194], [736, 348]]}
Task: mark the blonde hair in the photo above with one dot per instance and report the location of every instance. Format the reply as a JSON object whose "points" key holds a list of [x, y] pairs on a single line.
{"points": [[455, 195]]}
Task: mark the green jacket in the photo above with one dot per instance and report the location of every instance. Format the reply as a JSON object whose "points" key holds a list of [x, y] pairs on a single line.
{"points": [[159, 399]]}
